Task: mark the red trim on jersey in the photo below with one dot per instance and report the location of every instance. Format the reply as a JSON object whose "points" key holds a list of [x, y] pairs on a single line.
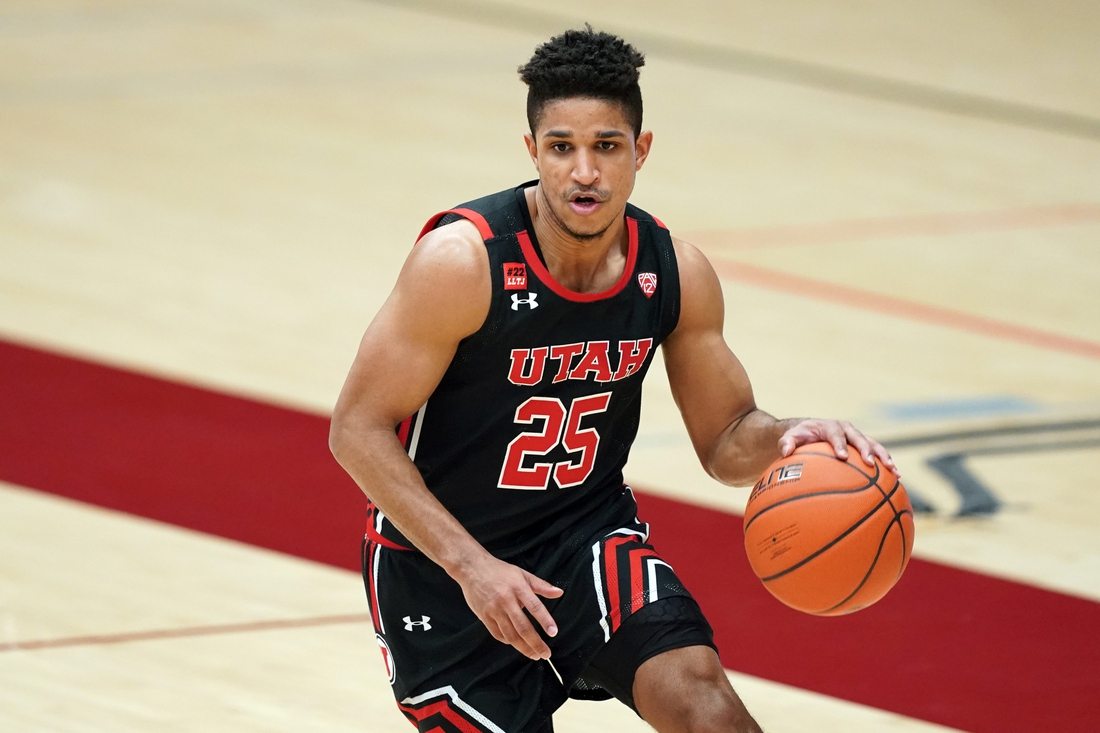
{"points": [[443, 707], [373, 534], [372, 601], [478, 220], [659, 223], [543, 274], [403, 431]]}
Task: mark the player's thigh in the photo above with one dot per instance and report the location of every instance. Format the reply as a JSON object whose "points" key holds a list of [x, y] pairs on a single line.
{"points": [[447, 672]]}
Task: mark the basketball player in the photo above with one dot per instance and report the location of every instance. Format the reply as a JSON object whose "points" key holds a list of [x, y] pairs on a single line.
{"points": [[505, 564]]}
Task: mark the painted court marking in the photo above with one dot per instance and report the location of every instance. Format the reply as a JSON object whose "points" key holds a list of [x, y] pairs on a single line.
{"points": [[895, 227], [902, 308], [183, 632], [261, 474]]}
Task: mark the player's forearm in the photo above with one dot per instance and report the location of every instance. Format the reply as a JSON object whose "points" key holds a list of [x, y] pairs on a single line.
{"points": [[747, 447], [375, 459]]}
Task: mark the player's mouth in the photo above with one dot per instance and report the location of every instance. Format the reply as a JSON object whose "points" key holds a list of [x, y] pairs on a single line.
{"points": [[584, 203]]}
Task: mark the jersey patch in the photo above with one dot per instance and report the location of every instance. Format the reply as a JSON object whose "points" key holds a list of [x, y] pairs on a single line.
{"points": [[648, 282], [515, 276]]}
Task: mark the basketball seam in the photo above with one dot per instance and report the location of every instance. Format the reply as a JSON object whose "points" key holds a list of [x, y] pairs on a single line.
{"points": [[874, 563], [846, 532], [904, 553], [873, 482], [901, 526], [843, 461]]}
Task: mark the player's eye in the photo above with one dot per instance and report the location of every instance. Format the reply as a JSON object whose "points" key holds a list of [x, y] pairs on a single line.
{"points": [[605, 145], [560, 148]]}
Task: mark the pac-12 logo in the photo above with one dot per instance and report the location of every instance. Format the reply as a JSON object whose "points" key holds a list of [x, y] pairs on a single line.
{"points": [[648, 283], [387, 658], [515, 276]]}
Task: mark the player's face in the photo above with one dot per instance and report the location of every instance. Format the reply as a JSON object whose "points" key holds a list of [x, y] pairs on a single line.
{"points": [[587, 157]]}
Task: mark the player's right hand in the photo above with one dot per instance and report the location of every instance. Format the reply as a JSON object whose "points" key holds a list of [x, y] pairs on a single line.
{"points": [[498, 592]]}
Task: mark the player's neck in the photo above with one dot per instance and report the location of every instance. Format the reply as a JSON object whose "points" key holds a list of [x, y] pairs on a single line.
{"points": [[581, 265]]}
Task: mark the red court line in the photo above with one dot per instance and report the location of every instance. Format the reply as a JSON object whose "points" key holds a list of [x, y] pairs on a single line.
{"points": [[224, 465], [950, 646], [909, 309], [182, 632], [892, 227]]}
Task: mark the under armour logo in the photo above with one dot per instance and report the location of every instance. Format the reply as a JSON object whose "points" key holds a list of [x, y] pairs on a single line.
{"points": [[528, 301], [422, 623]]}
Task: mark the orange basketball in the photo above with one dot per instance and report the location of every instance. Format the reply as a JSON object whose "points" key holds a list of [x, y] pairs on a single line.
{"points": [[827, 536]]}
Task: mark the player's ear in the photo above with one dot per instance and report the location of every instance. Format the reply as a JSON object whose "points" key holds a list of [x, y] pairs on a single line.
{"points": [[641, 148], [532, 148]]}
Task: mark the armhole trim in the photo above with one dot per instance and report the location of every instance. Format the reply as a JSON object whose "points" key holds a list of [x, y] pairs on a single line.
{"points": [[477, 219]]}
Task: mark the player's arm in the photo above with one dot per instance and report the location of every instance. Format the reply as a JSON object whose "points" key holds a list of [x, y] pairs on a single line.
{"points": [[442, 296], [735, 441]]}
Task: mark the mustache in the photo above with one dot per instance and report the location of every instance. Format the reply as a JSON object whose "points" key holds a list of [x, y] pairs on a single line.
{"points": [[601, 194]]}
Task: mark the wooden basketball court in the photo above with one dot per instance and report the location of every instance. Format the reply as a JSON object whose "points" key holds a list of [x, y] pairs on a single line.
{"points": [[903, 202]]}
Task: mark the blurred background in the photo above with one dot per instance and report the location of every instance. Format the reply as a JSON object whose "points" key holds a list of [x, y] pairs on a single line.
{"points": [[202, 205]]}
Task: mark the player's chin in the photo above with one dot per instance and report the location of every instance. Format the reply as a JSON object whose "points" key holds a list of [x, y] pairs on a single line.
{"points": [[587, 227]]}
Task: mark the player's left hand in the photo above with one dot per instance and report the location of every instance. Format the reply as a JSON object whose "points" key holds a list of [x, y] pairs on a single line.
{"points": [[840, 434]]}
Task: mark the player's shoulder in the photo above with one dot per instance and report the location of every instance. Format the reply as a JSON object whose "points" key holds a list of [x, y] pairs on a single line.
{"points": [[459, 243], [695, 269], [449, 260], [701, 301]]}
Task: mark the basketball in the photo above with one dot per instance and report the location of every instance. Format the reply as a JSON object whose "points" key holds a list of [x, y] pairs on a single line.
{"points": [[826, 536]]}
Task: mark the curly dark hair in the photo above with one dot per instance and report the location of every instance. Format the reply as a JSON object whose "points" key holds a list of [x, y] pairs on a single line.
{"points": [[584, 63]]}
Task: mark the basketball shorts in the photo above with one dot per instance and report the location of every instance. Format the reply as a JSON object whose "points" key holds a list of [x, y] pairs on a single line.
{"points": [[622, 604]]}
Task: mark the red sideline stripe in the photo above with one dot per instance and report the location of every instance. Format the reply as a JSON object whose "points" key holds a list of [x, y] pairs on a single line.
{"points": [[219, 464], [954, 647], [949, 646]]}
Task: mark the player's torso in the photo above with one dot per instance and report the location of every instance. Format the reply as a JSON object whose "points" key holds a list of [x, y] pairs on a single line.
{"points": [[528, 431]]}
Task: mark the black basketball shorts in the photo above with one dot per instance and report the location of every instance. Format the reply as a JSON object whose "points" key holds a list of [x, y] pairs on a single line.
{"points": [[449, 674]]}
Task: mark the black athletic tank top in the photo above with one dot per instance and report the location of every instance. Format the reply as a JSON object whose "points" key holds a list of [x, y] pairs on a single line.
{"points": [[527, 433]]}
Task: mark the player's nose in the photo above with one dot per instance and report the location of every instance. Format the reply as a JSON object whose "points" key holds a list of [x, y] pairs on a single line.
{"points": [[585, 171]]}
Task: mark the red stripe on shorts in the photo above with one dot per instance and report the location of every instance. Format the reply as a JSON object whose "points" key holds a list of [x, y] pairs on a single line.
{"points": [[611, 578], [637, 577], [441, 708]]}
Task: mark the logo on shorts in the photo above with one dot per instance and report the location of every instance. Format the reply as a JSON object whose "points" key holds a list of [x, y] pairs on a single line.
{"points": [[529, 301], [648, 283], [422, 623], [387, 658], [515, 276]]}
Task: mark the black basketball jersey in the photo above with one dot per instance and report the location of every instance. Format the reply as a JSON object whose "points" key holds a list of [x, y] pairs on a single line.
{"points": [[528, 431]]}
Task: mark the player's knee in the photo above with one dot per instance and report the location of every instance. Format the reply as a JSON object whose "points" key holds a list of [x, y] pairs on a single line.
{"points": [[692, 695], [717, 709]]}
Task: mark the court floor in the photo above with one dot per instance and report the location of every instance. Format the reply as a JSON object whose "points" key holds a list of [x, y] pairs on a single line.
{"points": [[902, 201]]}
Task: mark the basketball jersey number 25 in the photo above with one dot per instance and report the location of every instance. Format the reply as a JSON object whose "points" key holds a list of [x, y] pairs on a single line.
{"points": [[560, 425]]}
